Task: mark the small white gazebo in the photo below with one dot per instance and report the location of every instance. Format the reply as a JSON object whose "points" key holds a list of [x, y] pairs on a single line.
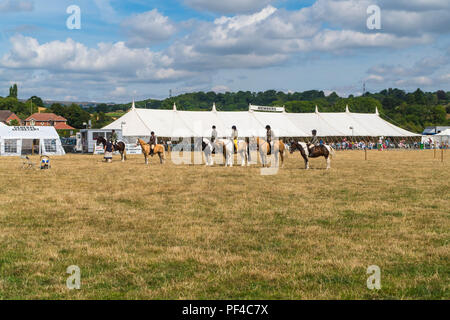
{"points": [[15, 141]]}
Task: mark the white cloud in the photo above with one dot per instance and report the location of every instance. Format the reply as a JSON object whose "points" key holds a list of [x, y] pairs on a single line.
{"points": [[118, 92], [107, 12], [228, 6], [221, 89], [8, 6], [109, 59], [424, 72], [147, 28]]}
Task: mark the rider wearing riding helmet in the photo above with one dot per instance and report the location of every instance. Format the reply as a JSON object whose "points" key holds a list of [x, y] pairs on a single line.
{"points": [[114, 137], [269, 136], [314, 141], [153, 141], [213, 134], [234, 137]]}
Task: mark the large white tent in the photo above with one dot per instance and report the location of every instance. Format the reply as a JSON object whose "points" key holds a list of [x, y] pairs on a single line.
{"points": [[15, 141], [181, 124], [443, 137]]}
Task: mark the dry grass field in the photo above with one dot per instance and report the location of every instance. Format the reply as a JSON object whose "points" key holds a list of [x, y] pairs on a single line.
{"points": [[190, 232]]}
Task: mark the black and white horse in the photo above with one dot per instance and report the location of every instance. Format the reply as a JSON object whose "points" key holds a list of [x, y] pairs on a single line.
{"points": [[119, 146], [316, 151]]}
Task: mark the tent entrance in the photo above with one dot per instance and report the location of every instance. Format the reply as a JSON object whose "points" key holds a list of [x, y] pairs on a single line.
{"points": [[30, 146]]}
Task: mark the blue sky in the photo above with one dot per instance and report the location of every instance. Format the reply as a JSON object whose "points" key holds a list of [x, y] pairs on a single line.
{"points": [[144, 48]]}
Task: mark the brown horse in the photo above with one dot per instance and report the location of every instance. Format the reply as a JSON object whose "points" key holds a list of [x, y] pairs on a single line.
{"points": [[265, 150], [159, 149], [317, 151], [119, 146]]}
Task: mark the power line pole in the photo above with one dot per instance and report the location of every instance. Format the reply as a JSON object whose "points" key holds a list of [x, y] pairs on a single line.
{"points": [[364, 88]]}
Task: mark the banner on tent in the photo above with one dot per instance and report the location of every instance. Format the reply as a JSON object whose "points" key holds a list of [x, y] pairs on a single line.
{"points": [[267, 109]]}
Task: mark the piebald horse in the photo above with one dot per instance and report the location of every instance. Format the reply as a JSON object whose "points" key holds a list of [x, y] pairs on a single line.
{"points": [[119, 146], [207, 149], [264, 148], [159, 149], [317, 151]]}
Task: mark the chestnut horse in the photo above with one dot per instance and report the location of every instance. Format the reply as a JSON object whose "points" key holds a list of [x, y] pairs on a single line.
{"points": [[159, 149], [119, 146], [318, 151], [265, 149]]}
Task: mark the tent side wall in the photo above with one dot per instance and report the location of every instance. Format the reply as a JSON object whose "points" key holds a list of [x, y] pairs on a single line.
{"points": [[188, 124]]}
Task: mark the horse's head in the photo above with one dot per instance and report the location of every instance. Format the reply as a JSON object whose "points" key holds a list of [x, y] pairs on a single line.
{"points": [[100, 140], [294, 146]]}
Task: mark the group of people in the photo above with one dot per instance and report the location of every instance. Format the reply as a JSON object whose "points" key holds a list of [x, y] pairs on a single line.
{"points": [[269, 137], [109, 146]]}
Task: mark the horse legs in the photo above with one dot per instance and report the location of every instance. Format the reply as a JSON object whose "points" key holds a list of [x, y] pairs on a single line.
{"points": [[263, 159], [146, 158], [282, 159], [328, 162], [243, 155], [306, 163]]}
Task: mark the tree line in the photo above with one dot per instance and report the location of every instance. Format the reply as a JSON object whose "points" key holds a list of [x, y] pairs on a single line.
{"points": [[413, 111]]}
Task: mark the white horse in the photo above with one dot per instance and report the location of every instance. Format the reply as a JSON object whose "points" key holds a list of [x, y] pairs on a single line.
{"points": [[226, 147], [207, 149]]}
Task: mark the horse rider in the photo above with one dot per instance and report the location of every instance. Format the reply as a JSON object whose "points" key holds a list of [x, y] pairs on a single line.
{"points": [[213, 134], [269, 136], [152, 143], [234, 137], [114, 137], [314, 141]]}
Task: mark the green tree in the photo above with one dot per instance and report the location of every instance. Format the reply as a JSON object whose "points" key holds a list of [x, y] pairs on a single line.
{"points": [[13, 91]]}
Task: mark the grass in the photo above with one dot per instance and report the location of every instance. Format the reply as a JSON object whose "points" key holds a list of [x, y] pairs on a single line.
{"points": [[190, 232]]}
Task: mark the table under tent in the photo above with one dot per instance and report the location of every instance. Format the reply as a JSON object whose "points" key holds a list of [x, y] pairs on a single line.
{"points": [[29, 140]]}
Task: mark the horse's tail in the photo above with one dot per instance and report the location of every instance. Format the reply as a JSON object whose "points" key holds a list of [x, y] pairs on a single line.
{"points": [[125, 152]]}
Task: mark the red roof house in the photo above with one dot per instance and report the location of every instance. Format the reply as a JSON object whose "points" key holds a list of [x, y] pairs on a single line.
{"points": [[48, 119], [7, 116]]}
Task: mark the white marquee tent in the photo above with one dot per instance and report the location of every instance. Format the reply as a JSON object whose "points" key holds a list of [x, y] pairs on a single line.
{"points": [[181, 124], [15, 141], [443, 137]]}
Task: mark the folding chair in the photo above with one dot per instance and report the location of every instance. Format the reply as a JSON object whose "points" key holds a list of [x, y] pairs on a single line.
{"points": [[27, 163]]}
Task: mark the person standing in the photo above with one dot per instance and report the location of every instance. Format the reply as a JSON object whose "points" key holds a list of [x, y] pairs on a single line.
{"points": [[108, 151]]}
